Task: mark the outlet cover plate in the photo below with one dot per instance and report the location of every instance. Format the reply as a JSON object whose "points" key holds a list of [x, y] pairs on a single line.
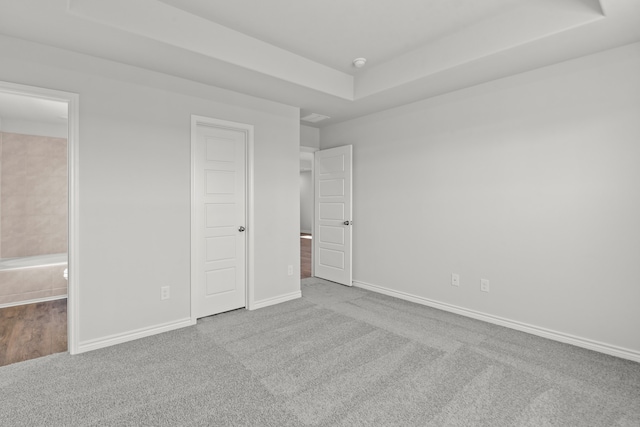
{"points": [[455, 279]]}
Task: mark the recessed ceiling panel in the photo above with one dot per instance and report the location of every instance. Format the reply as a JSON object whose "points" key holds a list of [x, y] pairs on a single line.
{"points": [[334, 32]]}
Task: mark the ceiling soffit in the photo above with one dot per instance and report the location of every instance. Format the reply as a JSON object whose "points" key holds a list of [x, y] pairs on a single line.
{"points": [[509, 25], [176, 28]]}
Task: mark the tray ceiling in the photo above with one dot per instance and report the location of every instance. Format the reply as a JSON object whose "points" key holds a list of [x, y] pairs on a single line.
{"points": [[300, 52]]}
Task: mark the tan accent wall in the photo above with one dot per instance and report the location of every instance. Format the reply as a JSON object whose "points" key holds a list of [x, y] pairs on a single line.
{"points": [[33, 195]]}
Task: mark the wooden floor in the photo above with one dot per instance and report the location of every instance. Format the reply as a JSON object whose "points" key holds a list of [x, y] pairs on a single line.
{"points": [[305, 256], [32, 330]]}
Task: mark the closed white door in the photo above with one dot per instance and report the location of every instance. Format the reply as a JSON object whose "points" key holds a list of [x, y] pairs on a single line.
{"points": [[219, 233], [333, 216]]}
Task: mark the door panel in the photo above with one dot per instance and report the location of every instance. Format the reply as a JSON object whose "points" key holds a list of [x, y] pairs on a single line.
{"points": [[333, 204], [220, 248], [329, 211], [332, 235], [332, 187], [220, 206]]}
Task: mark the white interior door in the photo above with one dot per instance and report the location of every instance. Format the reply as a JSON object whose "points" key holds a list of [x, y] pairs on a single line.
{"points": [[219, 258], [333, 216]]}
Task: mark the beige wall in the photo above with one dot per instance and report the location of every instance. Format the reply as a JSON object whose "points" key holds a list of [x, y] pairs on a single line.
{"points": [[531, 181], [33, 192]]}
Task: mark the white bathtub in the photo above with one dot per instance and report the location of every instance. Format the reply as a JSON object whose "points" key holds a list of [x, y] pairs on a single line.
{"points": [[32, 261], [32, 279]]}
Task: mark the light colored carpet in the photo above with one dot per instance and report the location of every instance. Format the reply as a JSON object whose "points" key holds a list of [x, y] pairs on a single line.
{"points": [[337, 357]]}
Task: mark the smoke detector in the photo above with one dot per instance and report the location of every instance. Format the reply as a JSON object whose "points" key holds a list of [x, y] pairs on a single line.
{"points": [[359, 62]]}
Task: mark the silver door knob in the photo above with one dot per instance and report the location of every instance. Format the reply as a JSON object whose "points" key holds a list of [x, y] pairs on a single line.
{"points": [[241, 229], [348, 222]]}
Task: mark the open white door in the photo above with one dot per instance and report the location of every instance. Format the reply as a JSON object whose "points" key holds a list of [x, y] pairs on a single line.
{"points": [[332, 229]]}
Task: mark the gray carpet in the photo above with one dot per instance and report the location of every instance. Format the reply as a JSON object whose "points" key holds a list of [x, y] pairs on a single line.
{"points": [[337, 357]]}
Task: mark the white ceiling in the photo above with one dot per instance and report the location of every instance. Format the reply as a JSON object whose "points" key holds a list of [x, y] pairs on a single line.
{"points": [[334, 32], [299, 52]]}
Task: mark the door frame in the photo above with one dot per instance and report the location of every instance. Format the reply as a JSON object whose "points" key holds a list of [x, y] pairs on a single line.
{"points": [[73, 285], [249, 166]]}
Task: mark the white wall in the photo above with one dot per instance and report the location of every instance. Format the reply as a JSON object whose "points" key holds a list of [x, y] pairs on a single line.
{"points": [[135, 184], [306, 202], [309, 136], [532, 182]]}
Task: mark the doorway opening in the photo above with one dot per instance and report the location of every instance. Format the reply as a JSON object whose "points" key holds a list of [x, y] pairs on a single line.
{"points": [[38, 129], [306, 211]]}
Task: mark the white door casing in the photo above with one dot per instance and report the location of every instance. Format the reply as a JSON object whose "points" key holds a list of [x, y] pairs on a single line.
{"points": [[73, 154], [219, 216], [333, 214]]}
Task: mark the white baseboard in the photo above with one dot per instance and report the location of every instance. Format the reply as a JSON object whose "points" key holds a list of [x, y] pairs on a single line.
{"points": [[32, 301], [132, 335], [275, 300], [145, 332], [524, 327]]}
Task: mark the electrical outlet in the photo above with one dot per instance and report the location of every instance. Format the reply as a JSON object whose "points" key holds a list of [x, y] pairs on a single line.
{"points": [[484, 285], [164, 292], [290, 270], [455, 279]]}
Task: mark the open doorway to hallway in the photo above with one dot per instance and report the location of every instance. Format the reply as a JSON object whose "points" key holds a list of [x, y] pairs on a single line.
{"points": [[306, 213], [305, 255]]}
